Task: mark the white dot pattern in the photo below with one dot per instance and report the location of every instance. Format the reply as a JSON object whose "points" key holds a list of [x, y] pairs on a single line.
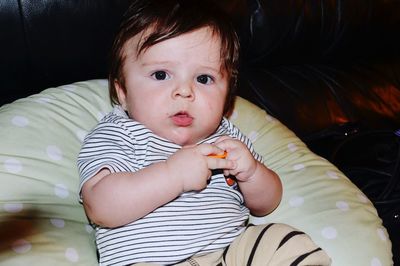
{"points": [[292, 147], [329, 232], [298, 167], [332, 174], [13, 166], [362, 198], [72, 255], [13, 207], [61, 191], [253, 136], [54, 153], [270, 119], [20, 121], [296, 201], [43, 100], [342, 205], [59, 223], [382, 235], [376, 262], [21, 246], [234, 115], [70, 88], [88, 228]]}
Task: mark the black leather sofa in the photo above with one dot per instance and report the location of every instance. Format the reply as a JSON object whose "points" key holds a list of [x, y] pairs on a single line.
{"points": [[327, 69]]}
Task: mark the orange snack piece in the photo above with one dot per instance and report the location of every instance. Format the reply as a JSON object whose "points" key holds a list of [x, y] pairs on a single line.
{"points": [[221, 156], [230, 181]]}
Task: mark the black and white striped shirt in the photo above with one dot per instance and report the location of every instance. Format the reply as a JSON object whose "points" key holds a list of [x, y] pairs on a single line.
{"points": [[194, 223]]}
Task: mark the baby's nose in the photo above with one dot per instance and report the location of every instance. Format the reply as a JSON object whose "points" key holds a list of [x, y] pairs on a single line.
{"points": [[184, 91]]}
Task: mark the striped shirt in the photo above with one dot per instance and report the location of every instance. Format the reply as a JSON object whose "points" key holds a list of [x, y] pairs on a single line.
{"points": [[194, 223]]}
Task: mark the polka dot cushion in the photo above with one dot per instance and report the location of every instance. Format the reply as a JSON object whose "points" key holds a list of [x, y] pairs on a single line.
{"points": [[42, 223]]}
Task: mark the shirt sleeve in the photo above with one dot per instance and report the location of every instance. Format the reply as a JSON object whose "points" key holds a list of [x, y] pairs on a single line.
{"points": [[107, 146]]}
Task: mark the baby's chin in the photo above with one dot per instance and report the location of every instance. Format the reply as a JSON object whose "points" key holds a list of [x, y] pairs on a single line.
{"points": [[183, 141], [184, 138]]}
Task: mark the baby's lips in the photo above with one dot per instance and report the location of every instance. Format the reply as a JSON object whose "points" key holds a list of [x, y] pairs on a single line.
{"points": [[220, 156], [182, 119]]}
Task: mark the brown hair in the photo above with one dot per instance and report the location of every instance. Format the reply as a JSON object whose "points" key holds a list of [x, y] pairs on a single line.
{"points": [[167, 19]]}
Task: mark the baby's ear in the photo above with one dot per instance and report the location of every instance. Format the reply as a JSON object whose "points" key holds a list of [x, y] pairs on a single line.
{"points": [[121, 94]]}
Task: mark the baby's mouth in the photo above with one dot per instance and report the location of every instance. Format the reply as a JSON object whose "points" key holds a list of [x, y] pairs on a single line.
{"points": [[182, 119]]}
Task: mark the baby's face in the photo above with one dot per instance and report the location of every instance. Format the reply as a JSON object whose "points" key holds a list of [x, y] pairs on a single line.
{"points": [[176, 87]]}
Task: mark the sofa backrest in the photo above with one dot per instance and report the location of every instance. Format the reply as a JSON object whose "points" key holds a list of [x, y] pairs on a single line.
{"points": [[47, 43], [311, 64]]}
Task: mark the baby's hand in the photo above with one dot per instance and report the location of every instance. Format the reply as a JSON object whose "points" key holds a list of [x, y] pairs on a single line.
{"points": [[244, 163], [191, 166]]}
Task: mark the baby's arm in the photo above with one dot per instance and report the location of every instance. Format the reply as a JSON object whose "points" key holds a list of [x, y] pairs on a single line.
{"points": [[115, 199], [261, 187]]}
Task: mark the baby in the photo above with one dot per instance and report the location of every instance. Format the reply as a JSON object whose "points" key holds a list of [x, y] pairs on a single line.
{"points": [[166, 178]]}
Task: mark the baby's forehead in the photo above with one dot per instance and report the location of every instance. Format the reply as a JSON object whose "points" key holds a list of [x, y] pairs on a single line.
{"points": [[151, 36]]}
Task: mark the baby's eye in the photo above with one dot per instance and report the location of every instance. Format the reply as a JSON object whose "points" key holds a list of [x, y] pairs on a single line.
{"points": [[160, 75], [205, 79]]}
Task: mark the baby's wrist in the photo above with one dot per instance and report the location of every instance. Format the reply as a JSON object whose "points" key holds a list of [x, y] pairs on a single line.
{"points": [[251, 172], [173, 177]]}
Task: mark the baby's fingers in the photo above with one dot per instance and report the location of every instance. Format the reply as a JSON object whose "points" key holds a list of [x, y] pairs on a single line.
{"points": [[218, 163], [210, 150]]}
